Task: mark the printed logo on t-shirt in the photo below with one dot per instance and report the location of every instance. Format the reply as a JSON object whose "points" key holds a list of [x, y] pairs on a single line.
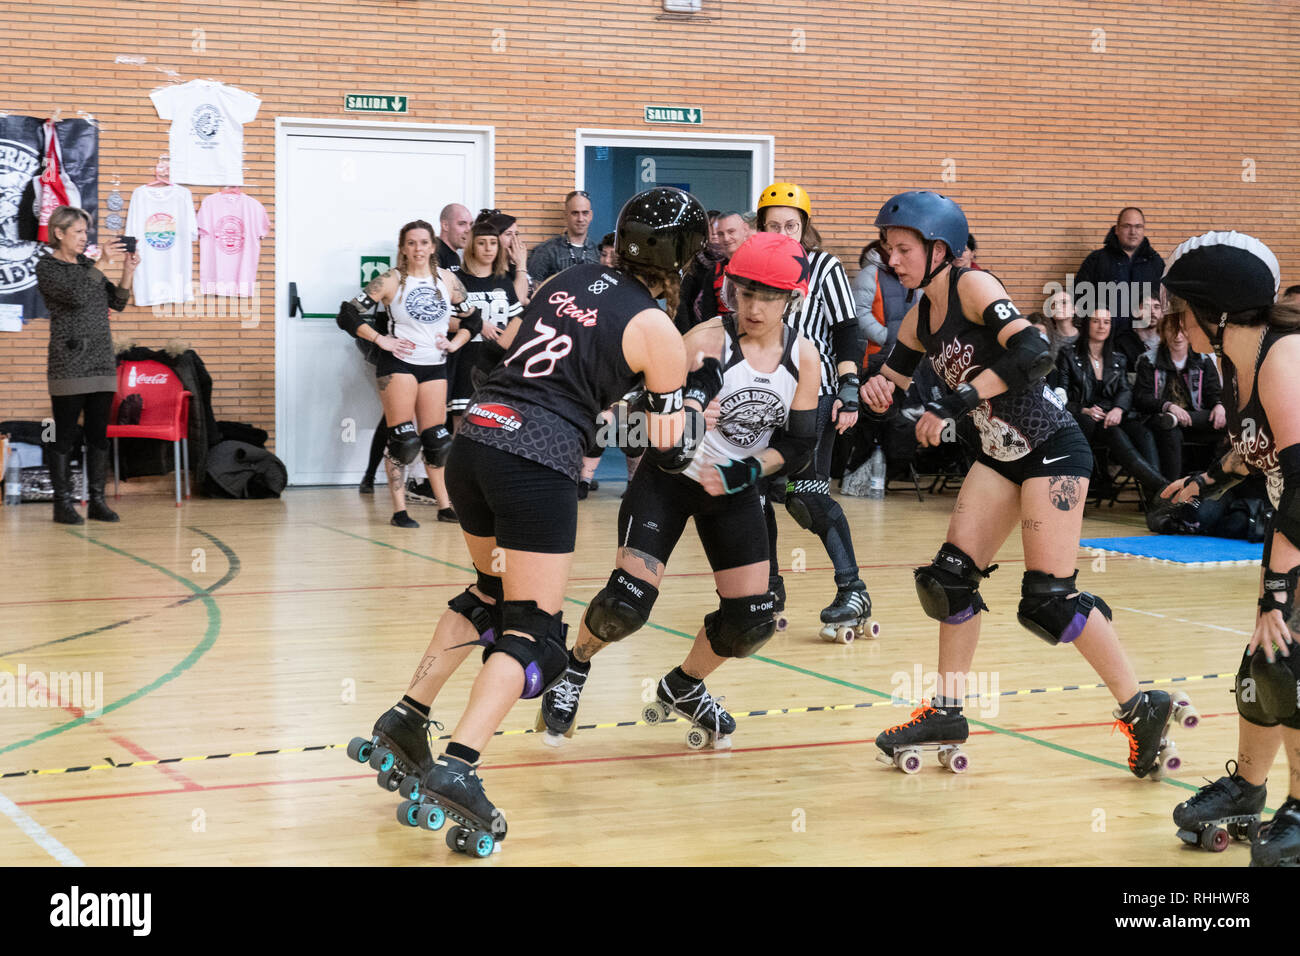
{"points": [[424, 304], [206, 122], [748, 413], [230, 235], [492, 304], [160, 231]]}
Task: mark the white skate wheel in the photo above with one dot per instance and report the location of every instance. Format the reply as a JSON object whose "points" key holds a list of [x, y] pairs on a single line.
{"points": [[873, 630], [846, 635], [958, 762], [697, 738], [655, 713], [782, 623], [908, 761]]}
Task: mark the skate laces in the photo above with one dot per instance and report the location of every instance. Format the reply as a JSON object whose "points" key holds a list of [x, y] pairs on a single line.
{"points": [[918, 715], [428, 730], [565, 695], [1124, 726]]}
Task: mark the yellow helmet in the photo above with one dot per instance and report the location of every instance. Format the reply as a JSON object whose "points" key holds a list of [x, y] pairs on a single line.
{"points": [[786, 194]]}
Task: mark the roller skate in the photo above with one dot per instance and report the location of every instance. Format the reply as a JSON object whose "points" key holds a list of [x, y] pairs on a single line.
{"points": [[711, 725], [931, 728], [1278, 842], [560, 704], [1151, 751], [776, 585], [398, 749], [420, 492], [1222, 811], [849, 615], [452, 788]]}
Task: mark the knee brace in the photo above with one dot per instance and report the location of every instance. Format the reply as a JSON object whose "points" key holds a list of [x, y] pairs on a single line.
{"points": [[1047, 611], [545, 657], [437, 445], [812, 507], [949, 587], [485, 617], [403, 443], [740, 626], [621, 608]]}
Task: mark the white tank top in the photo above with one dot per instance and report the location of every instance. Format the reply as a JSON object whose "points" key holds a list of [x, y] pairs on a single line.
{"points": [[422, 313], [753, 403]]}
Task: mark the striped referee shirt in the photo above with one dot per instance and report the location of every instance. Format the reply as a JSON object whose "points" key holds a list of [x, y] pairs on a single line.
{"points": [[829, 303]]}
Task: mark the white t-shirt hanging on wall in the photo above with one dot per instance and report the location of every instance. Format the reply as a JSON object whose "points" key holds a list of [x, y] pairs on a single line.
{"points": [[231, 228], [163, 222], [207, 132]]}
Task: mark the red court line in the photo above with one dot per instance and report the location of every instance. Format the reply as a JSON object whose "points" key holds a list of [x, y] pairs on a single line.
{"points": [[537, 763]]}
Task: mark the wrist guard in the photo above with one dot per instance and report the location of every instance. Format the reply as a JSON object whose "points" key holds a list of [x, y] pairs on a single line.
{"points": [[675, 460], [739, 475], [848, 393], [956, 405], [1281, 585]]}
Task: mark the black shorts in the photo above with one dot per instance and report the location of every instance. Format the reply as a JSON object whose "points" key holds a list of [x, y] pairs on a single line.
{"points": [[1066, 453], [524, 505], [658, 505], [460, 383], [390, 364]]}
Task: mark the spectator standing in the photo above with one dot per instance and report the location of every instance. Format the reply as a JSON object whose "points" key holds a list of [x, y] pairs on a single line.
{"points": [[1125, 260], [569, 248], [453, 232], [701, 297]]}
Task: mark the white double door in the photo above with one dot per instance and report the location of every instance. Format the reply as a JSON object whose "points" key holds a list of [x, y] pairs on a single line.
{"points": [[343, 190]]}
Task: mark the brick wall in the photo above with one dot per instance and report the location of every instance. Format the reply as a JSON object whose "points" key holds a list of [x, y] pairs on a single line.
{"points": [[1041, 122]]}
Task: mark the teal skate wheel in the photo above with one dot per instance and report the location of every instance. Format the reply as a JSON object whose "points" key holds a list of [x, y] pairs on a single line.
{"points": [[430, 816], [480, 844], [388, 780], [406, 813], [410, 787], [381, 759], [359, 749]]}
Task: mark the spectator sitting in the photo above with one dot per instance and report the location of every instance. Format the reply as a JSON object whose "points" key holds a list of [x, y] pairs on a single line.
{"points": [[453, 232], [881, 302], [1147, 326], [1095, 378], [1179, 391], [1125, 260], [1060, 309], [569, 248]]}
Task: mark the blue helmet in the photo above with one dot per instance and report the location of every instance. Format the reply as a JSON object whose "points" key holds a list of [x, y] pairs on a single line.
{"points": [[932, 215]]}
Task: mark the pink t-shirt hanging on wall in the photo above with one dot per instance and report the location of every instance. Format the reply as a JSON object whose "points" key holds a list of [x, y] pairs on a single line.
{"points": [[231, 228]]}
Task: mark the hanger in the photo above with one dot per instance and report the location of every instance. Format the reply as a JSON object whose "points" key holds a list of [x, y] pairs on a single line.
{"points": [[57, 115], [161, 171], [88, 117], [231, 190]]}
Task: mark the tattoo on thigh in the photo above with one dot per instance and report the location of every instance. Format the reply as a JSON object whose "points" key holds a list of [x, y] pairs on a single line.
{"points": [[384, 381], [1064, 493], [1031, 525], [652, 563]]}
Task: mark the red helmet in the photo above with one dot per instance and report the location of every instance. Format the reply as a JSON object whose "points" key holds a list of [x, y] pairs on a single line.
{"points": [[770, 260]]}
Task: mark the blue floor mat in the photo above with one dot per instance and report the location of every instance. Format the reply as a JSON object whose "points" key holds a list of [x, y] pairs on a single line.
{"points": [[1181, 549]]}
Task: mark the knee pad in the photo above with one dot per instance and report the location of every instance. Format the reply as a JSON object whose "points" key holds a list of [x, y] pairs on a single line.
{"points": [[740, 626], [621, 608], [812, 507], [1047, 611], [1276, 688], [403, 443], [437, 445], [544, 658], [1246, 691], [485, 617], [949, 587]]}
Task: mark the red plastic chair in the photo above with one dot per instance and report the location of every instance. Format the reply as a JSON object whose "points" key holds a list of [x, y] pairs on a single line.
{"points": [[165, 414]]}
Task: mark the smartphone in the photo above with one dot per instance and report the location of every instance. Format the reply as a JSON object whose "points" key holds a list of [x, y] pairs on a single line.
{"points": [[129, 243]]}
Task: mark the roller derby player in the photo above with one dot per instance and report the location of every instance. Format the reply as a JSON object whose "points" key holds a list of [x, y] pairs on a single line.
{"points": [[762, 423], [412, 367], [827, 318], [586, 337], [1224, 284], [1032, 470]]}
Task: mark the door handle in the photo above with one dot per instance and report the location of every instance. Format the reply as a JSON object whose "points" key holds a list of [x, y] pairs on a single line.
{"points": [[295, 303]]}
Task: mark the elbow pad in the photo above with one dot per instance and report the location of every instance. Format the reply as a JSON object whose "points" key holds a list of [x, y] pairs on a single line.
{"points": [[1025, 360], [472, 321], [903, 359], [844, 340], [797, 441], [675, 460], [350, 318], [1287, 520]]}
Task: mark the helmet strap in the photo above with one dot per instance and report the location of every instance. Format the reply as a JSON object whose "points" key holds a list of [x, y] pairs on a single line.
{"points": [[931, 272]]}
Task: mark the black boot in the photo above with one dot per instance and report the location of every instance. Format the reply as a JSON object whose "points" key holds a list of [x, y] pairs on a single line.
{"points": [[1124, 452], [64, 512], [97, 465]]}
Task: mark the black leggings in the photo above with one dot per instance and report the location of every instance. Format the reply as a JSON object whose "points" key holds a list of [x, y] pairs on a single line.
{"points": [[68, 408], [377, 447]]}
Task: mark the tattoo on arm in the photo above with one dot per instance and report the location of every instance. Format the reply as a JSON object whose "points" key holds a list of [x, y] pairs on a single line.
{"points": [[1065, 492]]}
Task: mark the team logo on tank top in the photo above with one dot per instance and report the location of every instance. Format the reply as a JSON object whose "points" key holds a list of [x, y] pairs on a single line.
{"points": [[748, 413], [1257, 449], [424, 304], [953, 362]]}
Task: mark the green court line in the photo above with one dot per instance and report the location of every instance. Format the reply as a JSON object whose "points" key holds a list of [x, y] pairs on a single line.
{"points": [[209, 638], [801, 670]]}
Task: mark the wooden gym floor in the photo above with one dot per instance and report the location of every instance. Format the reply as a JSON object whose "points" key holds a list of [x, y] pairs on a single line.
{"points": [[242, 644]]}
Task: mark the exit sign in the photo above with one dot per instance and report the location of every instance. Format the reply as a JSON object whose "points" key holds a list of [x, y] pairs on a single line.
{"points": [[687, 115], [375, 103]]}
